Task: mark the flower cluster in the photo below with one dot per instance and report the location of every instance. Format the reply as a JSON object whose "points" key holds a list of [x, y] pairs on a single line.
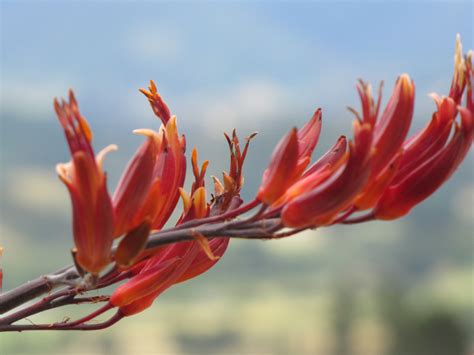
{"points": [[381, 171], [145, 198], [378, 174]]}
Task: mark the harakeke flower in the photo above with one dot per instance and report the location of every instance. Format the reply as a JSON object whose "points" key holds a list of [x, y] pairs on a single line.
{"points": [[226, 198], [289, 160], [431, 156], [399, 172], [413, 186], [180, 262], [389, 134], [378, 173], [93, 216], [149, 187], [321, 204], [168, 264], [391, 174]]}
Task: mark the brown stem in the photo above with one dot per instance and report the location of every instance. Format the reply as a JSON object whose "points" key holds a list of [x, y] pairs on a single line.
{"points": [[219, 230], [32, 289], [61, 326], [364, 218], [39, 306], [221, 217], [91, 316], [350, 211], [261, 229]]}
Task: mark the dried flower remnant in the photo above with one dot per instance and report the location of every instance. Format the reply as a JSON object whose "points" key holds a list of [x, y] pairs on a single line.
{"points": [[379, 173]]}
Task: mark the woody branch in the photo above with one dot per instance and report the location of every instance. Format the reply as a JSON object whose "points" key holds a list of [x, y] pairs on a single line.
{"points": [[69, 275]]}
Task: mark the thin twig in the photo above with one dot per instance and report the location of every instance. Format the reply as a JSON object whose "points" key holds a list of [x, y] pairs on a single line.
{"points": [[62, 326]]}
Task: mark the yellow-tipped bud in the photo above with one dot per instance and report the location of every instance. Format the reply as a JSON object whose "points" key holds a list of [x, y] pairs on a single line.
{"points": [[200, 203], [186, 200]]}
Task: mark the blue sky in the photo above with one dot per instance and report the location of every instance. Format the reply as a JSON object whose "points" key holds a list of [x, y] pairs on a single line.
{"points": [[251, 65], [233, 61]]}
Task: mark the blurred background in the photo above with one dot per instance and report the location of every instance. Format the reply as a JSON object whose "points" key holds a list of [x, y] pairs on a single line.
{"points": [[401, 287]]}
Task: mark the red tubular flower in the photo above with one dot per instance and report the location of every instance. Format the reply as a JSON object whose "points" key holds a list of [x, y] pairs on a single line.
{"points": [[157, 103], [149, 186], [151, 278], [390, 132], [202, 262], [330, 158], [171, 170], [421, 149], [157, 274], [289, 159], [152, 282], [228, 192], [180, 262], [93, 217], [317, 173], [226, 198], [321, 205], [378, 170], [281, 172], [421, 182], [429, 159], [376, 186], [135, 185], [327, 190], [308, 137], [132, 244], [430, 140], [165, 268]]}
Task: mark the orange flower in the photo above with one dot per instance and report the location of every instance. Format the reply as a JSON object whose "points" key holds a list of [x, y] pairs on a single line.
{"points": [[153, 276], [429, 159], [169, 264], [326, 190], [392, 128], [390, 132], [379, 170], [322, 204], [419, 183], [93, 217], [149, 187], [135, 185], [458, 83], [317, 173], [281, 172], [179, 262], [289, 159], [308, 137]]}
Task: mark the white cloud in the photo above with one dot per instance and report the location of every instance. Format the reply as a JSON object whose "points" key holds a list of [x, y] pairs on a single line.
{"points": [[245, 105], [30, 100], [154, 42]]}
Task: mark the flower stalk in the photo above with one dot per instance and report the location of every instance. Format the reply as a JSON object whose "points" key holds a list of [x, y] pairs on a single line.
{"points": [[120, 241]]}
